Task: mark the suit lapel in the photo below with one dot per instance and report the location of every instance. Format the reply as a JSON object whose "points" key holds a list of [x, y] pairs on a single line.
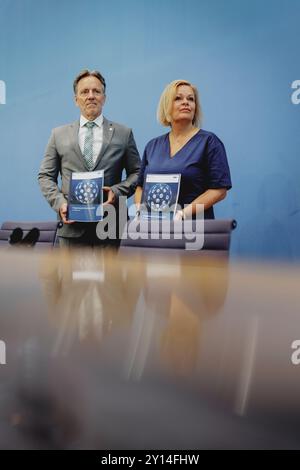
{"points": [[74, 139], [108, 131]]}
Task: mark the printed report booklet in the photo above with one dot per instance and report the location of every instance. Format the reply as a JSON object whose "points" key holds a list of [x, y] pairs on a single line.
{"points": [[85, 203]]}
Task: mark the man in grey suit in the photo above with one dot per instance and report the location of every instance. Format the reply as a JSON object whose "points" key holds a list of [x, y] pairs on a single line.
{"points": [[90, 144]]}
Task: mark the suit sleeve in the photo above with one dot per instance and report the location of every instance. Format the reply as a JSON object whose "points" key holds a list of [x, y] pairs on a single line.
{"points": [[132, 164], [48, 175]]}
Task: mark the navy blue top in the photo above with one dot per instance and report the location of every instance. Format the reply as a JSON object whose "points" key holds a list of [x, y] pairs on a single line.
{"points": [[202, 163]]}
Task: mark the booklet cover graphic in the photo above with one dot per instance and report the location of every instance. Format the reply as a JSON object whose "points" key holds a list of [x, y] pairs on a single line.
{"points": [[86, 197], [160, 196]]}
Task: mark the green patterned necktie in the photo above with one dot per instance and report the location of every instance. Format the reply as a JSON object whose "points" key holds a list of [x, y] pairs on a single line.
{"points": [[88, 145]]}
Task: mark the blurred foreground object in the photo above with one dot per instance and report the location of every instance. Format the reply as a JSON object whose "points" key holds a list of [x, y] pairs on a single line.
{"points": [[140, 351]]}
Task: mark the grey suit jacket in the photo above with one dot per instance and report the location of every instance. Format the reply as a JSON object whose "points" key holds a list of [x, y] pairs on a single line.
{"points": [[63, 156]]}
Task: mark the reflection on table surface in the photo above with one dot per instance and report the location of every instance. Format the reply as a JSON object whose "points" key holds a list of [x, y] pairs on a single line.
{"points": [[141, 351]]}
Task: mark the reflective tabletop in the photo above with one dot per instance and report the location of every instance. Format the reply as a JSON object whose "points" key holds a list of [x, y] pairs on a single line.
{"points": [[137, 350]]}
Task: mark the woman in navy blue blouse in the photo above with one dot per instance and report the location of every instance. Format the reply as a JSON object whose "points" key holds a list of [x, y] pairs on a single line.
{"points": [[198, 155]]}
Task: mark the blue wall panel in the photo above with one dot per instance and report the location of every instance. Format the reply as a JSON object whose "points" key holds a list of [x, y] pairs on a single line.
{"points": [[242, 55]]}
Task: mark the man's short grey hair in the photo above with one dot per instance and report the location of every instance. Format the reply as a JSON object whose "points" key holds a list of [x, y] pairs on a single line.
{"points": [[88, 73]]}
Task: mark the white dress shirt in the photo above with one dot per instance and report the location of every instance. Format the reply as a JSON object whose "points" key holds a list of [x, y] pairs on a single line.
{"points": [[97, 135]]}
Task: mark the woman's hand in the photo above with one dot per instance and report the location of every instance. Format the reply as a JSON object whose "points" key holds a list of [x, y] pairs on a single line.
{"points": [[179, 215]]}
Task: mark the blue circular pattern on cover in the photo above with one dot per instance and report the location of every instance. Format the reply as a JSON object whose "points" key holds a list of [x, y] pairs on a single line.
{"points": [[159, 197], [86, 191]]}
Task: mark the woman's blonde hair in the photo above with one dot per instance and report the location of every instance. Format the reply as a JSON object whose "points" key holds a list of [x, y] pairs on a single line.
{"points": [[166, 101]]}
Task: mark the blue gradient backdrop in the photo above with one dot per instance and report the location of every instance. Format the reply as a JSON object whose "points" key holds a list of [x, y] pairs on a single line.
{"points": [[242, 54]]}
